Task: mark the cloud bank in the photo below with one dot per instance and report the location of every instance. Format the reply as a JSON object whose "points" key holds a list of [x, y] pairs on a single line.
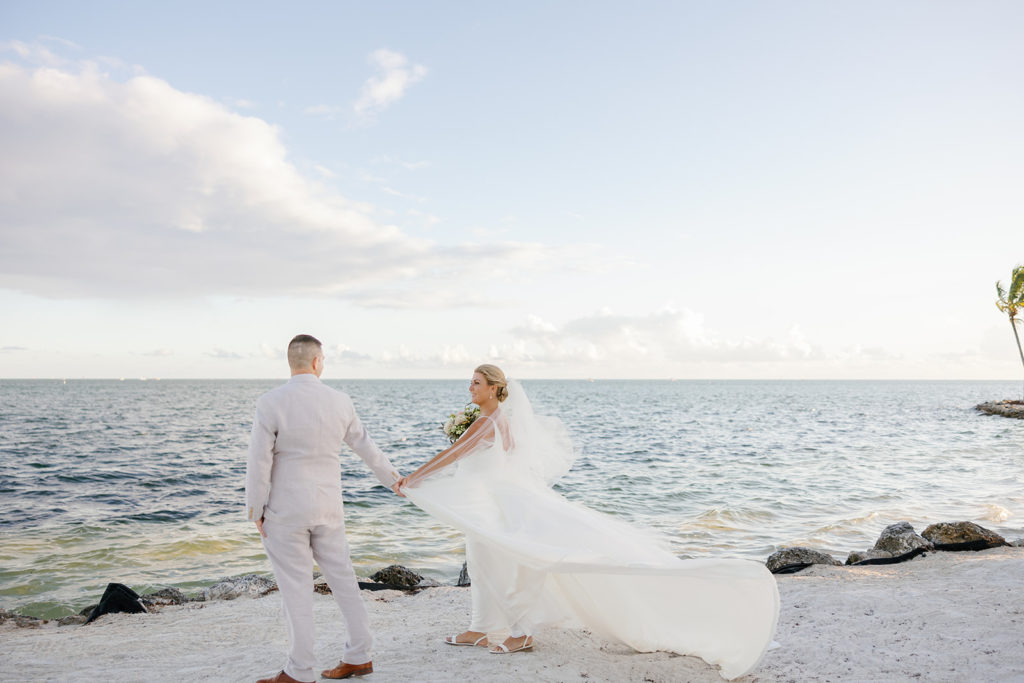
{"points": [[666, 337], [133, 188], [603, 343]]}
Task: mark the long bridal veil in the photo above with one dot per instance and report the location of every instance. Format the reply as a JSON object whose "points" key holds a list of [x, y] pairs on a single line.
{"points": [[587, 569]]}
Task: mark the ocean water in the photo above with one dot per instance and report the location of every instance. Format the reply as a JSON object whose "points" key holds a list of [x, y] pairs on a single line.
{"points": [[142, 482]]}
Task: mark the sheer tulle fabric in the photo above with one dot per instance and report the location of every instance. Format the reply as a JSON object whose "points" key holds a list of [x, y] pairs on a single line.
{"points": [[537, 559]]}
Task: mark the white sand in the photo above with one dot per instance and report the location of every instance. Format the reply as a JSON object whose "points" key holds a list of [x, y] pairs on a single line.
{"points": [[942, 617]]}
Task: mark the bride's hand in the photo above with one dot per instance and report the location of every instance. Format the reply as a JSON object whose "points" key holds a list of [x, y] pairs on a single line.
{"points": [[398, 485]]}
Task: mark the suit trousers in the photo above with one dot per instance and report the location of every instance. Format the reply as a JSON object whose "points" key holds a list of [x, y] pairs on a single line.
{"points": [[292, 551]]}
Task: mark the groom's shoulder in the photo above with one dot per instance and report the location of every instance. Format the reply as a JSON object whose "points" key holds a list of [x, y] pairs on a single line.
{"points": [[270, 398], [338, 394]]}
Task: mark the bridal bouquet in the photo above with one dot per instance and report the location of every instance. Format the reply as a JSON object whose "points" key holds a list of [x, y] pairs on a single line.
{"points": [[458, 423]]}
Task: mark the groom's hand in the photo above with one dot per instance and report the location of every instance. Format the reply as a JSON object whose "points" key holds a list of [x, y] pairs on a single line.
{"points": [[259, 525]]}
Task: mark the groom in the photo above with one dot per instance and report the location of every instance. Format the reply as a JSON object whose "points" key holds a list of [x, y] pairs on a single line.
{"points": [[293, 492]]}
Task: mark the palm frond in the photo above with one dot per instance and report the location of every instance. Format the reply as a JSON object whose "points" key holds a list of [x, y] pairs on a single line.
{"points": [[1001, 301], [1016, 293]]}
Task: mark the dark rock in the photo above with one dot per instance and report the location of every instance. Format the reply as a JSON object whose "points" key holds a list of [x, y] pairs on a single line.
{"points": [[880, 559], [962, 536], [164, 596], [20, 620], [117, 598], [899, 539], [397, 575], [87, 611], [1003, 408], [463, 576], [789, 560], [870, 554], [252, 585], [322, 588], [374, 586]]}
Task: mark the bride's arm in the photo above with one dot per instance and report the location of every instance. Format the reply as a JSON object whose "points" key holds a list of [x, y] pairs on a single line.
{"points": [[480, 433]]}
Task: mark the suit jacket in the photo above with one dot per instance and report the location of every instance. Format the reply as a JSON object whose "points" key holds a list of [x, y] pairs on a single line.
{"points": [[293, 475]]}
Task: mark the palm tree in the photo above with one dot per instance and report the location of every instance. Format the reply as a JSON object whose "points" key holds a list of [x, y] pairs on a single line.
{"points": [[1011, 301]]}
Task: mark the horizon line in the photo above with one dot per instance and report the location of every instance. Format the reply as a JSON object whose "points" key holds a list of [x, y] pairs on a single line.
{"points": [[525, 379]]}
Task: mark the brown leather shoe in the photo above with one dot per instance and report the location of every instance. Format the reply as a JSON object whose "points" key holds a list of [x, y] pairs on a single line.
{"points": [[280, 678], [344, 670]]}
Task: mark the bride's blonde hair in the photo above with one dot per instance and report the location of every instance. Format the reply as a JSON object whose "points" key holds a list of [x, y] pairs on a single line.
{"points": [[495, 378]]}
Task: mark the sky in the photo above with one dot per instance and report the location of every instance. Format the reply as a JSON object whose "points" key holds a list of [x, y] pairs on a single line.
{"points": [[687, 190]]}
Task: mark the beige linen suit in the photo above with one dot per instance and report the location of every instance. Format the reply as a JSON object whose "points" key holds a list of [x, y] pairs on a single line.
{"points": [[293, 481]]}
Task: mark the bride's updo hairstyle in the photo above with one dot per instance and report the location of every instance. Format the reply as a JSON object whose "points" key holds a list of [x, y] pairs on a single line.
{"points": [[495, 378]]}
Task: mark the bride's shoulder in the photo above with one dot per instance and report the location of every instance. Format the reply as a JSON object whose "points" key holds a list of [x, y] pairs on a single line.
{"points": [[498, 415]]}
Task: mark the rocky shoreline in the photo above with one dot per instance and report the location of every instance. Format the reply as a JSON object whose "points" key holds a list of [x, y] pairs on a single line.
{"points": [[897, 543], [394, 577], [1006, 408]]}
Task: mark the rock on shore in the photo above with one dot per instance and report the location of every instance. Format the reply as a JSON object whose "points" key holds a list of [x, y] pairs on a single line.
{"points": [[900, 539], [789, 560], [962, 536], [1005, 408]]}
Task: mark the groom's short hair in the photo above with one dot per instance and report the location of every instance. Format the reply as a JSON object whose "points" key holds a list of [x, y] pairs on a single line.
{"points": [[302, 349]]}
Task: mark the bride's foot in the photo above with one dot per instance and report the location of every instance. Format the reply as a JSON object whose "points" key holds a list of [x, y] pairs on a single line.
{"points": [[468, 638], [513, 645]]}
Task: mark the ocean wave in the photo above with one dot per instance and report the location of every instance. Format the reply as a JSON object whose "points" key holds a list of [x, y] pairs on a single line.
{"points": [[996, 513]]}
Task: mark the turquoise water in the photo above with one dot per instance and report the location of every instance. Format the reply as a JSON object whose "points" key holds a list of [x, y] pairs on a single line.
{"points": [[143, 482]]}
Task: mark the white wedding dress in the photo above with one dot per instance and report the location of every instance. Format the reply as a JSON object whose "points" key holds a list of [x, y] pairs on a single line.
{"points": [[536, 559]]}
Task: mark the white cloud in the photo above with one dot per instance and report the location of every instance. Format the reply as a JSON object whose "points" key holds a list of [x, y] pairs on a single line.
{"points": [[408, 165], [324, 171], [655, 344], [665, 337], [429, 219], [395, 193], [224, 354], [61, 41], [32, 52], [394, 76], [347, 355], [368, 178], [135, 189], [325, 110], [447, 356]]}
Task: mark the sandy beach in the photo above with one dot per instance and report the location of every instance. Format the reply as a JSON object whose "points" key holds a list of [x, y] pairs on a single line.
{"points": [[941, 617]]}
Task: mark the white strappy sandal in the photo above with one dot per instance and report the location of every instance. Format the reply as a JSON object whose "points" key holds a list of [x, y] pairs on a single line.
{"points": [[453, 640], [503, 649]]}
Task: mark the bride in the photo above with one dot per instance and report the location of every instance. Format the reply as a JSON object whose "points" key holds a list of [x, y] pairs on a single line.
{"points": [[536, 559]]}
